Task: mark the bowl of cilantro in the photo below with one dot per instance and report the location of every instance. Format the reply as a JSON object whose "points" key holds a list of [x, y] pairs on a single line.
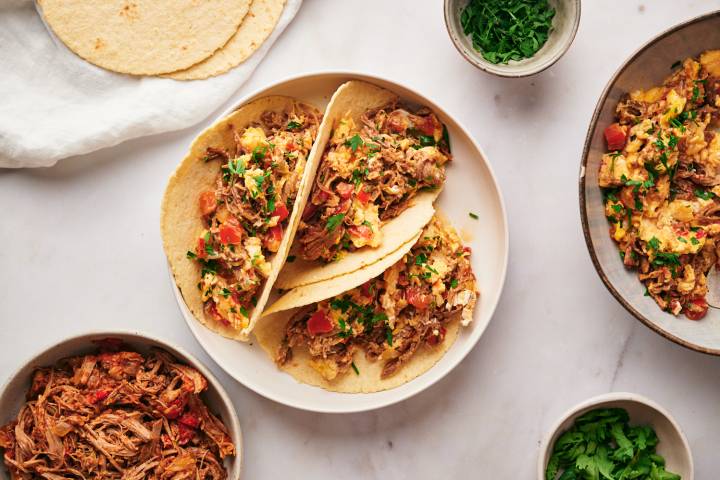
{"points": [[616, 436], [512, 38]]}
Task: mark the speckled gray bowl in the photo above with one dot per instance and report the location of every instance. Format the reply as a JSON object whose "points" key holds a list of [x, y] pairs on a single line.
{"points": [[12, 394], [565, 25], [649, 66]]}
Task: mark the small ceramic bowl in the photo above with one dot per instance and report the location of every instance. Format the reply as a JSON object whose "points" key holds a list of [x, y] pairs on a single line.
{"points": [[565, 25], [12, 394], [673, 445]]}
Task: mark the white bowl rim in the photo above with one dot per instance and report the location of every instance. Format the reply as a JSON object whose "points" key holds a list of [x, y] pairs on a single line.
{"points": [[583, 201], [192, 323], [234, 421], [508, 71], [603, 398]]}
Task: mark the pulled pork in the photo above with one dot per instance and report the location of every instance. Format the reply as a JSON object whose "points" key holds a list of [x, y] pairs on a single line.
{"points": [[369, 174], [244, 216], [661, 181], [116, 415], [393, 315]]}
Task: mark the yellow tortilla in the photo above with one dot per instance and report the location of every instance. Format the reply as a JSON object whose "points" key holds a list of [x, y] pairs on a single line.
{"points": [[271, 331], [307, 294], [255, 28], [353, 99], [180, 221], [144, 37]]}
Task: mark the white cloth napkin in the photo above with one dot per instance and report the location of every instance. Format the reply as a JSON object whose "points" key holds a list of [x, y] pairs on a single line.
{"points": [[53, 104]]}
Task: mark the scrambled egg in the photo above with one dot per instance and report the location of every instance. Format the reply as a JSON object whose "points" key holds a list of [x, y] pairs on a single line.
{"points": [[253, 138], [253, 246]]}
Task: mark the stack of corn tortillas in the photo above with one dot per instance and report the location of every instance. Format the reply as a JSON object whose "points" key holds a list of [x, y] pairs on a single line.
{"points": [[180, 39]]}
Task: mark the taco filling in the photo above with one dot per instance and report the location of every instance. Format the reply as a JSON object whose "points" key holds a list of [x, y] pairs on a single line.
{"points": [[245, 214], [369, 174], [392, 316]]}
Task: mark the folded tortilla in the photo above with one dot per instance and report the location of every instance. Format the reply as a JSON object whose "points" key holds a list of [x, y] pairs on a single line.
{"points": [[353, 99], [181, 223]]}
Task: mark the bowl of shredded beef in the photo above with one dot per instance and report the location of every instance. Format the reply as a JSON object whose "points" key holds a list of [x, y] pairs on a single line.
{"points": [[117, 405]]}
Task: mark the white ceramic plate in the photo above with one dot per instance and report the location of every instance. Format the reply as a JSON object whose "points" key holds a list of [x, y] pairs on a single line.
{"points": [[12, 394], [470, 187]]}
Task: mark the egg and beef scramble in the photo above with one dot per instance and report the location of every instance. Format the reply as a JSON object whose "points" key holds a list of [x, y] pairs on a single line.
{"points": [[116, 415], [393, 315], [245, 214], [368, 174], [661, 181]]}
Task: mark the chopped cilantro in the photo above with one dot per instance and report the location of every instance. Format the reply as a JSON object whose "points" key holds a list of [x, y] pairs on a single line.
{"points": [[191, 255], [601, 444], [290, 258], [473, 215], [244, 312], [225, 292], [503, 30], [453, 283], [237, 166], [354, 367], [334, 221], [704, 194], [654, 243], [389, 336], [694, 240], [354, 142], [293, 125], [426, 141], [259, 152]]}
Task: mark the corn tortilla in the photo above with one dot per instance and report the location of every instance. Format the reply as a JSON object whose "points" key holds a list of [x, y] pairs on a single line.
{"points": [[181, 223], [254, 30], [352, 100], [271, 331], [144, 37]]}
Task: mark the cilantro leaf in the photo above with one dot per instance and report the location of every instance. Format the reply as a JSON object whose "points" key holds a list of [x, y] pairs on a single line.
{"points": [[354, 142], [334, 221]]}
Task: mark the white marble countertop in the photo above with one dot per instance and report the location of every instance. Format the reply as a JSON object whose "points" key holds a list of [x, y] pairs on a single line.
{"points": [[81, 251]]}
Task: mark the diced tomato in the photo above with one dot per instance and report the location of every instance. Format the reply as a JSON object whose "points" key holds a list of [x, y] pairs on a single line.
{"points": [[280, 211], [230, 234], [434, 340], [189, 419], [700, 233], [201, 253], [696, 308], [319, 323], [345, 190], [343, 207], [185, 434], [366, 289], [208, 203], [361, 231], [97, 396], [273, 238], [467, 250], [363, 196], [426, 125], [615, 137], [417, 299], [291, 146]]}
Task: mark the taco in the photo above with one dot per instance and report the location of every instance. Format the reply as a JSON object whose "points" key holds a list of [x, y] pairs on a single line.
{"points": [[385, 328], [379, 173], [231, 208]]}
